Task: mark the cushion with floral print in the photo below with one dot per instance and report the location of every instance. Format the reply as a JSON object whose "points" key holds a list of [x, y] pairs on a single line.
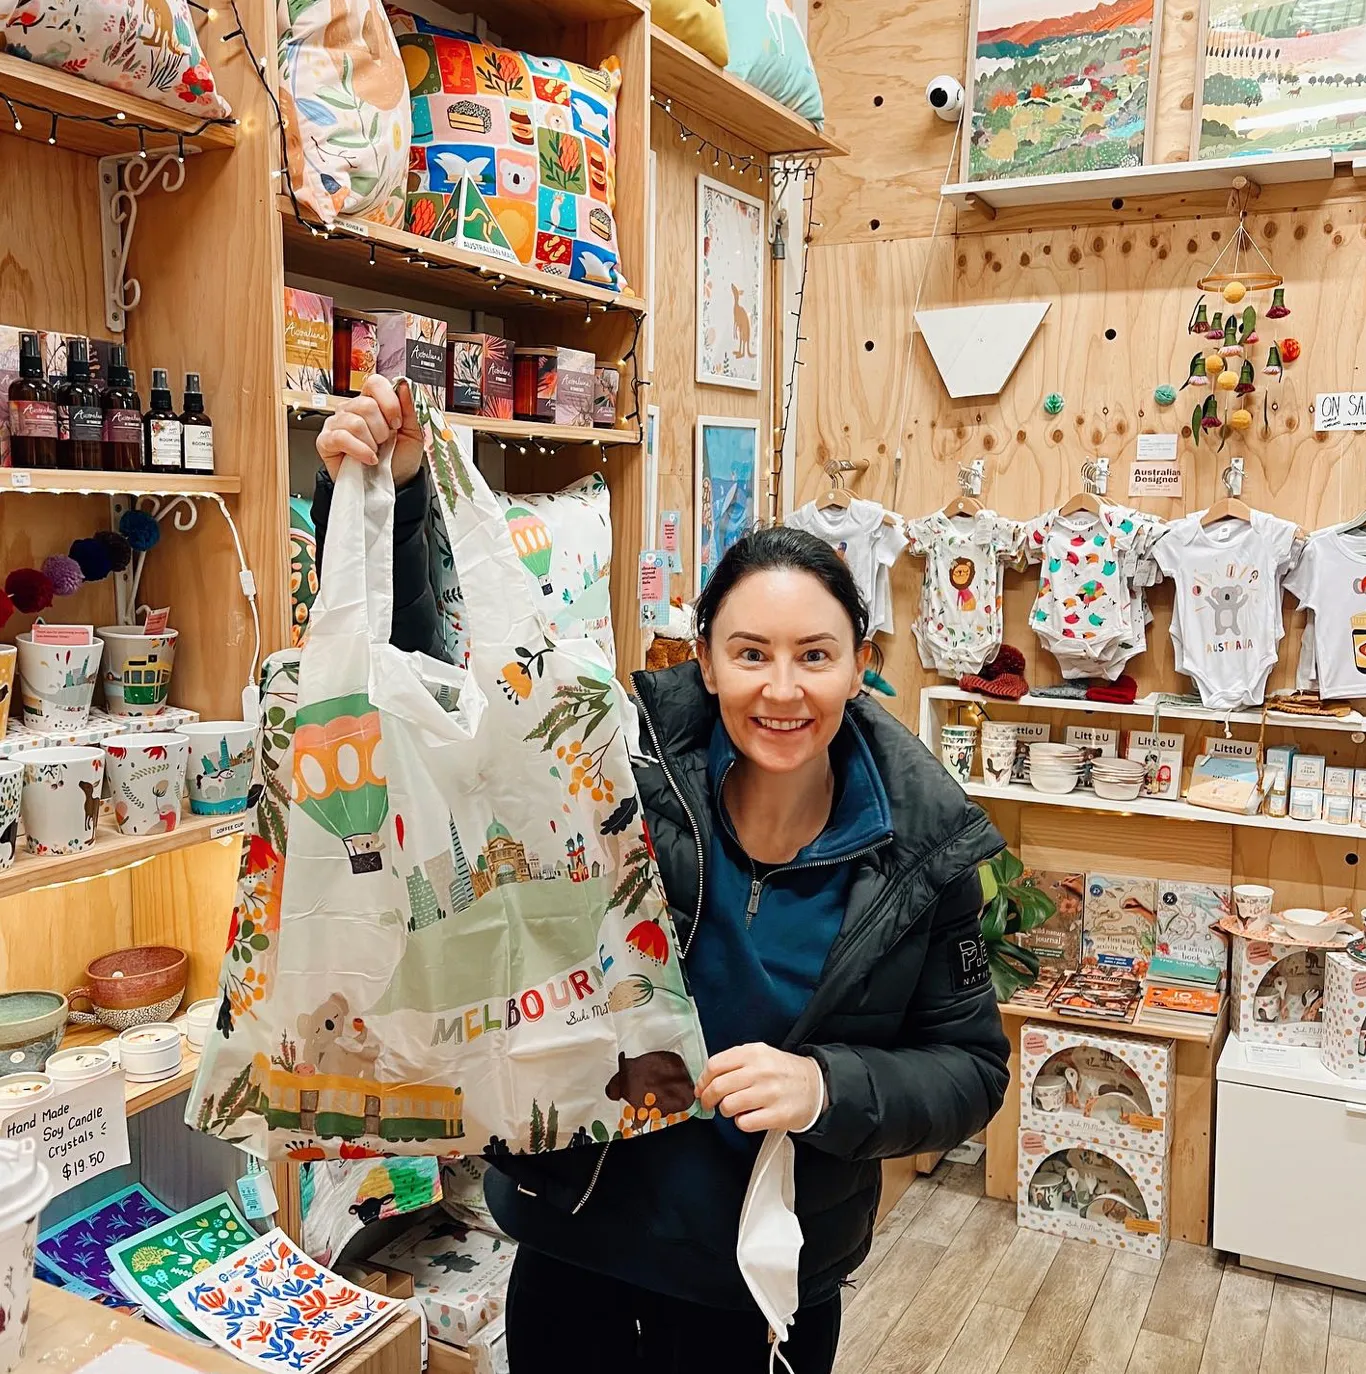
{"points": [[512, 155], [140, 47]]}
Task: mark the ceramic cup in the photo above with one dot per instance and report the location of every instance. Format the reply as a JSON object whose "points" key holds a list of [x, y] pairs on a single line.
{"points": [[32, 1024], [219, 770], [61, 802], [146, 780], [956, 756], [11, 794], [998, 762], [137, 669], [57, 682], [9, 657], [1267, 1007], [1252, 903], [1045, 1192], [199, 1021], [25, 1189], [132, 987], [1050, 1092]]}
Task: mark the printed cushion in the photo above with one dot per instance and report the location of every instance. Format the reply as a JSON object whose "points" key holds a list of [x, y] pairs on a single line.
{"points": [[768, 50], [141, 47], [564, 539], [345, 100], [536, 136], [698, 23]]}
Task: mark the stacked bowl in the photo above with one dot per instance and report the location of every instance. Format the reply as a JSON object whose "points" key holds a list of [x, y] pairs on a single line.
{"points": [[1054, 768], [1117, 779]]}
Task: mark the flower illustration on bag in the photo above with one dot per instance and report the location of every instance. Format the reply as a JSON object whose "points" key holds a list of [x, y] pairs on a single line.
{"points": [[516, 679]]}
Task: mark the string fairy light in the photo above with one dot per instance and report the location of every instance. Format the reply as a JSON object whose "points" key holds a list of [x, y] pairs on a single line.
{"points": [[742, 163]]}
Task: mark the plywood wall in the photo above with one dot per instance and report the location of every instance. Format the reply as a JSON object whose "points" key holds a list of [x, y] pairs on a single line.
{"points": [[1121, 280]]}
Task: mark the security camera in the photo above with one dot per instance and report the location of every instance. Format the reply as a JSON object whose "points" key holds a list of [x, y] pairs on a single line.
{"points": [[945, 94]]}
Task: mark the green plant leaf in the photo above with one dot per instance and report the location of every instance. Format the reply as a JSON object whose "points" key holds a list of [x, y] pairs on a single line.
{"points": [[994, 920], [600, 1133], [1008, 868]]}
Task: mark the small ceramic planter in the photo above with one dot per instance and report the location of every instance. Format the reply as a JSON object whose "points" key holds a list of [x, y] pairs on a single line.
{"points": [[137, 669], [57, 682], [80, 1065], [11, 794], [199, 1021], [149, 1053], [146, 780], [132, 987], [32, 1025], [61, 801], [219, 771]]}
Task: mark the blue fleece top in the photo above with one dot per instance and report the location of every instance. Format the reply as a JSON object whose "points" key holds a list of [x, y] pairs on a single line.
{"points": [[766, 929]]}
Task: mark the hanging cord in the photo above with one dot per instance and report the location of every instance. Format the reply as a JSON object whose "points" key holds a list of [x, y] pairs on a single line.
{"points": [[790, 386]]}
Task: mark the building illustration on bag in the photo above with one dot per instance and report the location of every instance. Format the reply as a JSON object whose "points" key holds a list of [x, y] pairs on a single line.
{"points": [[503, 860], [441, 887]]}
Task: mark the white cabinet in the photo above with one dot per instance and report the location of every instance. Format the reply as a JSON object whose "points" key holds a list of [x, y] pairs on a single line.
{"points": [[1289, 1159]]}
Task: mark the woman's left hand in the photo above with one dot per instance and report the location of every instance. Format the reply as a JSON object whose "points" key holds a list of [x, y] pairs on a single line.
{"points": [[763, 1089]]}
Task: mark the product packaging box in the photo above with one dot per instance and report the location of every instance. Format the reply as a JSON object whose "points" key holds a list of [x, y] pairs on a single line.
{"points": [[308, 342], [1306, 804], [9, 372], [553, 385], [480, 375], [1161, 756], [1058, 941], [1217, 747], [1359, 783], [1308, 770], [607, 382], [1344, 1017], [1188, 947], [1282, 756], [1337, 810], [1094, 744], [1119, 923], [354, 347], [412, 346], [488, 1349], [1279, 992], [1337, 782]]}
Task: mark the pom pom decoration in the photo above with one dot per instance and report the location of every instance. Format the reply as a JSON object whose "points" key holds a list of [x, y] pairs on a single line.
{"points": [[120, 551], [1214, 365], [1226, 381], [92, 558], [30, 591], [140, 529], [1278, 309], [6, 609], [1240, 419], [1234, 292], [1290, 349], [1164, 394], [64, 573], [1053, 403]]}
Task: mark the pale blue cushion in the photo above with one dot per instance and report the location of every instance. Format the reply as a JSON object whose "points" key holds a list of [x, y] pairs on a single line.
{"points": [[768, 50]]}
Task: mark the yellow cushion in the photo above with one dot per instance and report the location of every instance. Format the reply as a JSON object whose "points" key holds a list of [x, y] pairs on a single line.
{"points": [[698, 23]]}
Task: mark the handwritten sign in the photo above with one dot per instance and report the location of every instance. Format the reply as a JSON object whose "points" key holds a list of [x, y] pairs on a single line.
{"points": [[80, 1133], [1155, 476], [670, 527], [1340, 410], [653, 586]]}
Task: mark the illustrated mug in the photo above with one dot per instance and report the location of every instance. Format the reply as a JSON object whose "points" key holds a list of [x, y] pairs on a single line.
{"points": [[9, 657], [1045, 1192], [219, 768], [57, 682], [11, 793], [146, 780], [1268, 1007], [137, 669], [1050, 1093], [61, 801]]}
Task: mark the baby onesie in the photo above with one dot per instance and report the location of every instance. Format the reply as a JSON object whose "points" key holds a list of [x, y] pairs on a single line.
{"points": [[1330, 581], [868, 545], [959, 625], [1227, 607]]}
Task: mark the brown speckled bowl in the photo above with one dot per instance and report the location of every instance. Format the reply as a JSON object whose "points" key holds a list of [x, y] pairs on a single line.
{"points": [[131, 987]]}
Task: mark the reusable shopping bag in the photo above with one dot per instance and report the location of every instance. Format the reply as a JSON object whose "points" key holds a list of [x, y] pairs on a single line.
{"points": [[463, 947]]}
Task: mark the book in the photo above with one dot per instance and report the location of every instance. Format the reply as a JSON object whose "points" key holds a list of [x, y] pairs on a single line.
{"points": [[1095, 993], [1058, 941], [1187, 947], [1039, 994], [1161, 757], [1119, 923], [1182, 1001]]}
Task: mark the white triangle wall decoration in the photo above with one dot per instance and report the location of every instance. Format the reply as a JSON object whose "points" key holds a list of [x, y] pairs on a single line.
{"points": [[977, 347]]}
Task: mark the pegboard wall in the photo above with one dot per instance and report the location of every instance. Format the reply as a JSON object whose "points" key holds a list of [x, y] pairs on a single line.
{"points": [[1121, 278]]}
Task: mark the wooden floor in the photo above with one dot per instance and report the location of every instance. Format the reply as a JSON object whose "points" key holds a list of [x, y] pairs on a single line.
{"points": [[953, 1286]]}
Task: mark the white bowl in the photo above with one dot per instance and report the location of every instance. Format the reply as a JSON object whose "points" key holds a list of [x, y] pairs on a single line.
{"points": [[1119, 768], [1055, 784], [1108, 790], [1043, 749], [1309, 924]]}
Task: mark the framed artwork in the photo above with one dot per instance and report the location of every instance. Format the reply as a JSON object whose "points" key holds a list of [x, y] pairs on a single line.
{"points": [[1059, 86], [726, 496], [651, 492], [1277, 78], [732, 253]]}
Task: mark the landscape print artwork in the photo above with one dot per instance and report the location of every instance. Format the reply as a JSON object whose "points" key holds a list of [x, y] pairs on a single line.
{"points": [[1275, 78], [1059, 86]]}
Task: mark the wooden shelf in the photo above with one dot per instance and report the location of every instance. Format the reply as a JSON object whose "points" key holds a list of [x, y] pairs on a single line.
{"points": [[1202, 1035], [527, 21], [1149, 708], [45, 481], [1159, 179], [113, 851], [70, 95], [303, 404], [138, 1096], [682, 74], [437, 272]]}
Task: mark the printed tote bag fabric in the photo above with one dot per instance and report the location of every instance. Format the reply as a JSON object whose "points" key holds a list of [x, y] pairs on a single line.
{"points": [[472, 953]]}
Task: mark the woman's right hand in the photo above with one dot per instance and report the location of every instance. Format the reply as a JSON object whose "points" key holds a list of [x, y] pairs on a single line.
{"points": [[364, 424]]}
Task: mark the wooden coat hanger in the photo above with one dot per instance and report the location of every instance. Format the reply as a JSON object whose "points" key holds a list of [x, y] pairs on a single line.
{"points": [[1095, 477], [1230, 506], [838, 496], [970, 487]]}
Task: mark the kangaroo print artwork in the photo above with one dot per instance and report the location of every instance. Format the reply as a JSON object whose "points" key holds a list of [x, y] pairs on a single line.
{"points": [[731, 244]]}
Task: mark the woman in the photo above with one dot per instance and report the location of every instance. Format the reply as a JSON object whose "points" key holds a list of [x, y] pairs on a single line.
{"points": [[821, 869]]}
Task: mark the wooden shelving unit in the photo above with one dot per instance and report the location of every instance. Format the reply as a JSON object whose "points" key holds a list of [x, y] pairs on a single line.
{"points": [[1199, 1035], [40, 481], [64, 94], [679, 73]]}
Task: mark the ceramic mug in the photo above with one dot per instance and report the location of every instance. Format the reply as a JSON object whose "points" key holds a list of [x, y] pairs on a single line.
{"points": [[25, 1188], [219, 769], [1045, 1192], [137, 669], [1268, 1007], [32, 1024], [1050, 1092], [998, 763], [1252, 903], [146, 780], [61, 802], [956, 756], [132, 987], [9, 657], [11, 794], [57, 682]]}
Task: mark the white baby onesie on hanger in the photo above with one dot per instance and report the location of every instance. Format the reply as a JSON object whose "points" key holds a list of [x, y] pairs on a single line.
{"points": [[1330, 581], [959, 625], [867, 544], [1227, 606]]}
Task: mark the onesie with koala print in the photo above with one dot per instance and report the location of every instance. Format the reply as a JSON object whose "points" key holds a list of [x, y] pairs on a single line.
{"points": [[959, 625], [1226, 620]]}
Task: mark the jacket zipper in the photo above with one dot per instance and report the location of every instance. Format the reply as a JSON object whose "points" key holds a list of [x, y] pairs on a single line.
{"points": [[697, 915]]}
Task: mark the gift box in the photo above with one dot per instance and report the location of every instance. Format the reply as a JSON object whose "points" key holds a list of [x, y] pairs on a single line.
{"points": [[1107, 1196], [1161, 756], [1099, 1089], [1279, 990], [553, 385], [308, 341], [460, 1274], [354, 351], [1344, 1017], [479, 375], [1119, 923], [412, 346], [488, 1348], [9, 373], [607, 382]]}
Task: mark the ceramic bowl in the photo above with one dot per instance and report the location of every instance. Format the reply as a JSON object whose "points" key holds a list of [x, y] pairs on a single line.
{"points": [[31, 1026], [1308, 924], [199, 1021], [21, 1089], [131, 987], [1056, 784], [1109, 790], [149, 1052], [1112, 1106], [1064, 752], [79, 1065]]}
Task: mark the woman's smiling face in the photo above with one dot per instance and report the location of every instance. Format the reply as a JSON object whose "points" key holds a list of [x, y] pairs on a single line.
{"points": [[781, 661]]}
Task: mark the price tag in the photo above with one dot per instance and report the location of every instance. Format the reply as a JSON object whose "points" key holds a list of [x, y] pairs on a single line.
{"points": [[19, 478], [65, 636], [236, 826], [670, 536], [353, 226], [653, 586], [80, 1133], [156, 621], [258, 1195], [1272, 1056], [322, 401]]}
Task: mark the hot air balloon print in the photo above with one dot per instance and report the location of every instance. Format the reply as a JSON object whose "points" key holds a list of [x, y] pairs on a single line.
{"points": [[532, 539], [336, 781]]}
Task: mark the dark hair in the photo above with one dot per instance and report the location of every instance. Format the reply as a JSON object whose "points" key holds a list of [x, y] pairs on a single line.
{"points": [[781, 547]]}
